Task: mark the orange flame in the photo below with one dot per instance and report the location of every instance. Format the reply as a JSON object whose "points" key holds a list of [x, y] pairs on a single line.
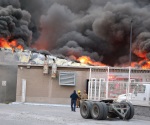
{"points": [[88, 60], [145, 63], [10, 45], [140, 54]]}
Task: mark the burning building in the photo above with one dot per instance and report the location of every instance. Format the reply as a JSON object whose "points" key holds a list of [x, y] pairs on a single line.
{"points": [[94, 28], [75, 32]]}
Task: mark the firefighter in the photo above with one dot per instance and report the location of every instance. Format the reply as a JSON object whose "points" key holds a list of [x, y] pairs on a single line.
{"points": [[84, 95], [78, 99]]}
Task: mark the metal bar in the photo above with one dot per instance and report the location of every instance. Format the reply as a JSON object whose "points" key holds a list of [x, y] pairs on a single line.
{"points": [[95, 82], [89, 85], [128, 86], [120, 111], [99, 92], [107, 83], [90, 73]]}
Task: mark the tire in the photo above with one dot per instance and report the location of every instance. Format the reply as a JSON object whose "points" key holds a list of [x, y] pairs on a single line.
{"points": [[85, 109], [112, 115], [130, 113], [97, 111], [105, 113]]}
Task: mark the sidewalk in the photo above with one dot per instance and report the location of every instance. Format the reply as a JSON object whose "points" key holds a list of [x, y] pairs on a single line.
{"points": [[40, 104]]}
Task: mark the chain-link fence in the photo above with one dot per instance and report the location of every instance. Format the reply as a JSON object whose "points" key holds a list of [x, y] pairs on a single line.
{"points": [[120, 84]]}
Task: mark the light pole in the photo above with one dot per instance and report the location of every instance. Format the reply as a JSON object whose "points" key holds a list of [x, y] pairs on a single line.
{"points": [[130, 58]]}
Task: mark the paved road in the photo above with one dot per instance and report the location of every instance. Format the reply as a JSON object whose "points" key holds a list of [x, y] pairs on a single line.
{"points": [[23, 114]]}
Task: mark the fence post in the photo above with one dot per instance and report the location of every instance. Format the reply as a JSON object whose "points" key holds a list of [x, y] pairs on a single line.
{"points": [[107, 83], [89, 85], [128, 84]]}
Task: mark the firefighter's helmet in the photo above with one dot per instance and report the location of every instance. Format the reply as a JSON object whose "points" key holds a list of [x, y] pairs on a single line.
{"points": [[79, 91]]}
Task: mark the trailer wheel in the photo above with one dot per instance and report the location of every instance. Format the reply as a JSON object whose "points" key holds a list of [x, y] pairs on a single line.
{"points": [[130, 113], [105, 108], [85, 109], [97, 111]]}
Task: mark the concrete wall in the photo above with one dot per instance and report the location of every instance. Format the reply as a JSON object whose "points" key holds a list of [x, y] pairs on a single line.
{"points": [[8, 73], [42, 88]]}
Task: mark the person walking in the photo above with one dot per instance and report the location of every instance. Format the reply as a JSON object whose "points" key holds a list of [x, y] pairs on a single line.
{"points": [[73, 97]]}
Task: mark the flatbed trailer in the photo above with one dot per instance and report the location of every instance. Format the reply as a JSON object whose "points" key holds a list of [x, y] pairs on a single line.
{"points": [[104, 86]]}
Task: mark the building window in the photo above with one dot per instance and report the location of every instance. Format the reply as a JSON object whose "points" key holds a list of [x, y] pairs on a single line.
{"points": [[67, 78]]}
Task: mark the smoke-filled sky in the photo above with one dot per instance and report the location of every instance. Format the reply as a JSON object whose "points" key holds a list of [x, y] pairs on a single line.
{"points": [[99, 29]]}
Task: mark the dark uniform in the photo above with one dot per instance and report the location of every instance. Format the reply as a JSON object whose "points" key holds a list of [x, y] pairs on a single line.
{"points": [[73, 97]]}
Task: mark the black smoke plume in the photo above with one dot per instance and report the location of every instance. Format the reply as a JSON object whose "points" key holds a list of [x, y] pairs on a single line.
{"points": [[95, 28]]}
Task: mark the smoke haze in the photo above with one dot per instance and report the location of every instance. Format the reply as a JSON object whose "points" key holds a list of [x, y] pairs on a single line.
{"points": [[73, 28]]}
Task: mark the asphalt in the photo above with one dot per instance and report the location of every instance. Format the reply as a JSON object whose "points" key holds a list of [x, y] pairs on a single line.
{"points": [[51, 114]]}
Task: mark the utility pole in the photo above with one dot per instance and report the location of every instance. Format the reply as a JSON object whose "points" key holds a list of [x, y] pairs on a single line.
{"points": [[130, 58]]}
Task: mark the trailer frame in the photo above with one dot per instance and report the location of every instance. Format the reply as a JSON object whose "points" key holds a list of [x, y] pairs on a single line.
{"points": [[100, 103]]}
